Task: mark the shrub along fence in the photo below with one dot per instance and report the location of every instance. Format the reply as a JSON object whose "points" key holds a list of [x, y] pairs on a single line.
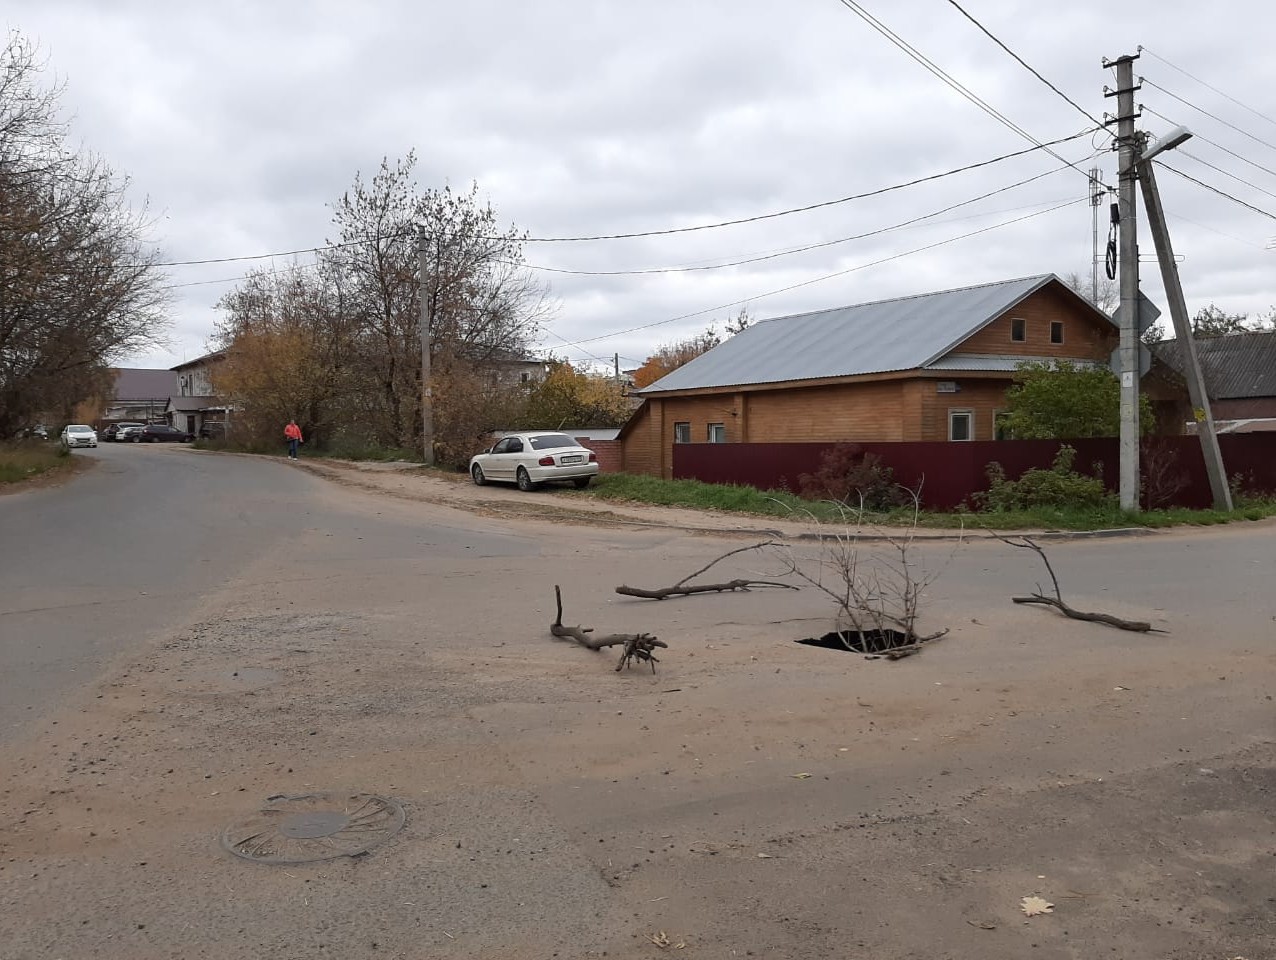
{"points": [[1173, 467]]}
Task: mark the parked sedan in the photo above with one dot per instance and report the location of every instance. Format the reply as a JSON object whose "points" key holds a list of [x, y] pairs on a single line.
{"points": [[117, 431], [530, 459], [79, 435], [163, 433]]}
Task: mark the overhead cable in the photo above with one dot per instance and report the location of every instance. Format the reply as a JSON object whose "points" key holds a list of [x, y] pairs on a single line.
{"points": [[1189, 103], [1212, 189], [840, 273], [1084, 112], [1226, 96], [794, 250], [1212, 143], [952, 82]]}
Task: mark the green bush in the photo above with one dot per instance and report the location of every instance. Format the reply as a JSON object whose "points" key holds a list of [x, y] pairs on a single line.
{"points": [[1059, 486]]}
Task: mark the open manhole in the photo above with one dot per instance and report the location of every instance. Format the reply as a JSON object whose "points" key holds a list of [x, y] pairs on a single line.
{"points": [[312, 827], [860, 641]]}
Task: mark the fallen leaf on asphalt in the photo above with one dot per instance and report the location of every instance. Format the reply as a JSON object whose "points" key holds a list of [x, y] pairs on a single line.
{"points": [[982, 924], [801, 776], [659, 939], [765, 856], [1032, 906]]}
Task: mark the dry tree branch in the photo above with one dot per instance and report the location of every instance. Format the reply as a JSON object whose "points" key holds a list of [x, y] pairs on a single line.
{"points": [[636, 646], [681, 589], [1057, 601]]}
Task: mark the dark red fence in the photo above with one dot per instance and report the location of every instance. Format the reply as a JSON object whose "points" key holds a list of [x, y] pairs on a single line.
{"points": [[950, 472]]}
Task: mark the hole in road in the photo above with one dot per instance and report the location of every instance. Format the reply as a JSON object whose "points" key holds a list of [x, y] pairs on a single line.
{"points": [[859, 641]]}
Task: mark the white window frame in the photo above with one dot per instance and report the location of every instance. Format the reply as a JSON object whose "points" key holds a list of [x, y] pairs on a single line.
{"points": [[720, 429], [686, 438], [969, 414], [1057, 324], [1013, 338]]}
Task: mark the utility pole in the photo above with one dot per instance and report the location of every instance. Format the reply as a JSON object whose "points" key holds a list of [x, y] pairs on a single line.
{"points": [[1187, 343], [427, 309], [616, 365], [1128, 351], [1096, 199]]}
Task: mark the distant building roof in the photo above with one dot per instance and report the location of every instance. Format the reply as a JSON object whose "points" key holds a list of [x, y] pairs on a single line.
{"points": [[906, 333], [140, 383], [200, 361], [191, 404], [1236, 367]]}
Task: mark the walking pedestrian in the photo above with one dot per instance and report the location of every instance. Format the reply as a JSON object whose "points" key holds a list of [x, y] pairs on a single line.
{"points": [[292, 433]]}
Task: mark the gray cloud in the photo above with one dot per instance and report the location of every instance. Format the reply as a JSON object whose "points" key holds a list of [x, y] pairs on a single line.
{"points": [[242, 122]]}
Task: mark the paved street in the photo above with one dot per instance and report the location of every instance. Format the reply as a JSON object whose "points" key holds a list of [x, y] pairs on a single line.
{"points": [[183, 635]]}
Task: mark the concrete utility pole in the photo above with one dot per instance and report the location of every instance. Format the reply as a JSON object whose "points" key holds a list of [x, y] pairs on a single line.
{"points": [[427, 308], [1128, 351], [1183, 331]]}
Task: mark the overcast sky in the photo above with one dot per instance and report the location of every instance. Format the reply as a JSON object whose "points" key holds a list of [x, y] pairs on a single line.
{"points": [[240, 123]]}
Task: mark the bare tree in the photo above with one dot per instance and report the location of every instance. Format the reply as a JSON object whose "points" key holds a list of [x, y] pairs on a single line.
{"points": [[77, 285]]}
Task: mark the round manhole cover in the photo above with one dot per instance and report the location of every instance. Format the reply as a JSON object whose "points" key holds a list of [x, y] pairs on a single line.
{"points": [[314, 826]]}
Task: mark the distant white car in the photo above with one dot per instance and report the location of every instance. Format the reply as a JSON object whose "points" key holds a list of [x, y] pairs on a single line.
{"points": [[535, 457], [79, 435]]}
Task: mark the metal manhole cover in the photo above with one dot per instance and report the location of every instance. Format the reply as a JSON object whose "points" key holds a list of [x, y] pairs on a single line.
{"points": [[312, 827]]}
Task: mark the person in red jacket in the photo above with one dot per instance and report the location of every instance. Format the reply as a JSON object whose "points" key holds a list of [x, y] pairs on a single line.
{"points": [[292, 433]]}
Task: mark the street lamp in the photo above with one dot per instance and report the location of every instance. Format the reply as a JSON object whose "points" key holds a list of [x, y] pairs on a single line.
{"points": [[1169, 141], [1196, 387]]}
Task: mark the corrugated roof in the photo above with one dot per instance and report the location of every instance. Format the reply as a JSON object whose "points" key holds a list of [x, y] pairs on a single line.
{"points": [[901, 334], [1237, 367], [138, 383]]}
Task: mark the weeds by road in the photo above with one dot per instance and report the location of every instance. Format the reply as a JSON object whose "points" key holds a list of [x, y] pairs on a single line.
{"points": [[781, 503], [30, 459]]}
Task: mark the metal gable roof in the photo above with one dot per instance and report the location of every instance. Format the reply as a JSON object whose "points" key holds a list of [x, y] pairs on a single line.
{"points": [[1238, 366], [889, 335]]}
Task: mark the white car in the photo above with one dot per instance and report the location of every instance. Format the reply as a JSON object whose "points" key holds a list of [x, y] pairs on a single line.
{"points": [[79, 435], [535, 457]]}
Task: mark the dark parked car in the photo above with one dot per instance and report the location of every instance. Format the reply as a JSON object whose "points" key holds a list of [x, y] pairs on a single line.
{"points": [[162, 433]]}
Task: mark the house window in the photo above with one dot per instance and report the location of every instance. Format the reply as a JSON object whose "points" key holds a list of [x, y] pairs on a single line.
{"points": [[717, 433], [1000, 431], [1018, 329], [682, 432], [961, 424], [1056, 331]]}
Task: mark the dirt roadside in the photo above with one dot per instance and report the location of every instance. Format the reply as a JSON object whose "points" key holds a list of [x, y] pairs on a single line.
{"points": [[751, 797]]}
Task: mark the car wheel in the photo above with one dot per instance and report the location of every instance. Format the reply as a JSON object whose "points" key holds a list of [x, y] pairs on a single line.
{"points": [[581, 482], [476, 473], [524, 480]]}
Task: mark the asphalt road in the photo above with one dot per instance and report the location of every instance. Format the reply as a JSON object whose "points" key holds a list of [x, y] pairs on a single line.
{"points": [[286, 635], [108, 563]]}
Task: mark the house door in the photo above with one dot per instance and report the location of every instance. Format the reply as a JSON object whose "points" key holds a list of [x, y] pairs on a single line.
{"points": [[190, 423]]}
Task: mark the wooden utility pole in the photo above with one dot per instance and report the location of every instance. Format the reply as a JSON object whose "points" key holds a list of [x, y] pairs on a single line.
{"points": [[1128, 351], [1187, 343], [427, 308]]}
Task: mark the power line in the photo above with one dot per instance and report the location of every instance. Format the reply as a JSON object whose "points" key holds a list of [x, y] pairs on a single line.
{"points": [[1026, 66], [1256, 113], [1207, 113], [826, 203], [664, 232], [952, 82], [1221, 193], [794, 250], [1212, 143], [1225, 173], [840, 273]]}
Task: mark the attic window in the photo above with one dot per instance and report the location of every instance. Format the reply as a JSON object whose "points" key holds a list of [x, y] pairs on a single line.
{"points": [[1056, 331], [1018, 329]]}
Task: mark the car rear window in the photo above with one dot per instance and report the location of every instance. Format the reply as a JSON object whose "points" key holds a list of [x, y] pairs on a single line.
{"points": [[552, 440]]}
